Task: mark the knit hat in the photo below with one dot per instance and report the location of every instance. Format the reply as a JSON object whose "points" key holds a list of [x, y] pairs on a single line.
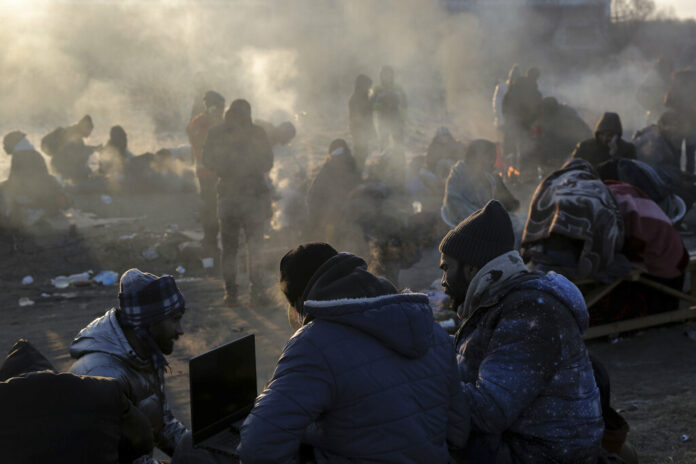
{"points": [[299, 265], [145, 299], [484, 235]]}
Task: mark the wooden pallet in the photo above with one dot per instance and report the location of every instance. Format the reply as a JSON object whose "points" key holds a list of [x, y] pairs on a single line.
{"points": [[636, 275]]}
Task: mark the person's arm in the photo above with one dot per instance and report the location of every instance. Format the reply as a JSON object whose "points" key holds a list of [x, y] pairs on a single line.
{"points": [[521, 358], [264, 150], [300, 391], [171, 431], [136, 433], [458, 416]]}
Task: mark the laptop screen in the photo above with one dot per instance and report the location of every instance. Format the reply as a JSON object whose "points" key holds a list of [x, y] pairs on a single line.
{"points": [[223, 387]]}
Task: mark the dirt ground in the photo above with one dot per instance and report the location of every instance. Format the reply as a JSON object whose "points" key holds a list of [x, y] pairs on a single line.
{"points": [[653, 372]]}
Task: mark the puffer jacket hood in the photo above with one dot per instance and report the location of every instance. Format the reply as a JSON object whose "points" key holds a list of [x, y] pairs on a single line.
{"points": [[104, 335], [401, 322], [609, 122], [565, 291], [23, 358]]}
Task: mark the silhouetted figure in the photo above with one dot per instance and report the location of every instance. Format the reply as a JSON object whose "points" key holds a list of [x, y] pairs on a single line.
{"points": [[67, 149], [520, 108], [607, 142], [390, 105], [198, 130], [241, 155], [362, 127]]}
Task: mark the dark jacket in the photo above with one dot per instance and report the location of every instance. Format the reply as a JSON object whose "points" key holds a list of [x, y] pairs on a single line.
{"points": [[241, 157], [595, 153], [65, 418], [525, 369], [360, 117], [68, 152], [328, 195], [369, 378]]}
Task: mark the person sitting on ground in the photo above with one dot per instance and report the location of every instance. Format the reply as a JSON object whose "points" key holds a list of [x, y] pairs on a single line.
{"points": [[129, 342], [473, 182], [443, 146], [67, 149], [606, 144], [115, 154], [555, 133], [327, 195], [59, 417], [395, 398], [29, 186], [523, 364], [362, 126]]}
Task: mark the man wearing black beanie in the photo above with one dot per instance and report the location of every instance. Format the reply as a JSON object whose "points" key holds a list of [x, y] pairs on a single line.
{"points": [[523, 365], [369, 377]]}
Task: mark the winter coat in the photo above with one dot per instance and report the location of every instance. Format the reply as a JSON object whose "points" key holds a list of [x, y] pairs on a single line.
{"points": [[362, 127], [525, 370], [595, 153], [369, 378], [101, 349], [328, 195], [555, 133], [467, 191], [389, 102], [68, 152], [241, 157], [65, 418]]}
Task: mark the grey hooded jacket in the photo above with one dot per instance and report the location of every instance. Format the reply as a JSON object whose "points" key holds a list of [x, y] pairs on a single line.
{"points": [[101, 349]]}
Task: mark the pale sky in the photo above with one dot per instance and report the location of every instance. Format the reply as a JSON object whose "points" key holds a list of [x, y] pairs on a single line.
{"points": [[683, 8]]}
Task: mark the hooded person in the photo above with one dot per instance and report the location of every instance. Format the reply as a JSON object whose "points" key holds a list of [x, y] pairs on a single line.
{"points": [[472, 183], [198, 130], [128, 344], [394, 398], [523, 365], [362, 127], [67, 149], [240, 154], [44, 411], [29, 186], [327, 195], [606, 144]]}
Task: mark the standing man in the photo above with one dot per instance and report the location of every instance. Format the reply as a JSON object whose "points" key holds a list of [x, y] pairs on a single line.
{"points": [[241, 156], [128, 344], [362, 127], [389, 103], [198, 130], [523, 365]]}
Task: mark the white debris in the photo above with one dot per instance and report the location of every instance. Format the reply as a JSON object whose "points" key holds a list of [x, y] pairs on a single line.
{"points": [[150, 253], [27, 280], [181, 269], [24, 301], [106, 199], [208, 263]]}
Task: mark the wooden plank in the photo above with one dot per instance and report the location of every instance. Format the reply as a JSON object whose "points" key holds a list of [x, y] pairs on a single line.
{"points": [[640, 323]]}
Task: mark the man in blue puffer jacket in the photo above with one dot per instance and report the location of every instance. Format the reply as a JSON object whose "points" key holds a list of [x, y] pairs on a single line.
{"points": [[370, 377], [523, 364]]}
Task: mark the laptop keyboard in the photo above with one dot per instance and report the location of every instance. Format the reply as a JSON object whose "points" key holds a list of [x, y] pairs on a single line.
{"points": [[224, 442]]}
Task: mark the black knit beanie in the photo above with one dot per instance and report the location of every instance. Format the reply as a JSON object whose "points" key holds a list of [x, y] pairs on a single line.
{"points": [[481, 237], [299, 265]]}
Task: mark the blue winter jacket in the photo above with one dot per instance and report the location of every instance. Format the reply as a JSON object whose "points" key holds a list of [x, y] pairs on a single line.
{"points": [[527, 374], [366, 379]]}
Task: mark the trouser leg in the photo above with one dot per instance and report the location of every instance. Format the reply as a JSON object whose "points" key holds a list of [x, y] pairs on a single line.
{"points": [[253, 230], [229, 232], [209, 219]]}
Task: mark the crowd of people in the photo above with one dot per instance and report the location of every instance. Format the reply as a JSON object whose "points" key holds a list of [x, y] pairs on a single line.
{"points": [[369, 375]]}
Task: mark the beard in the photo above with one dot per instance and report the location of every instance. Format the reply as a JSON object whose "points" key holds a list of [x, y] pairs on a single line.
{"points": [[458, 292]]}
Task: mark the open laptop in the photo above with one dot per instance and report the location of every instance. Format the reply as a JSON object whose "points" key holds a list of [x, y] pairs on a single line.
{"points": [[223, 390]]}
